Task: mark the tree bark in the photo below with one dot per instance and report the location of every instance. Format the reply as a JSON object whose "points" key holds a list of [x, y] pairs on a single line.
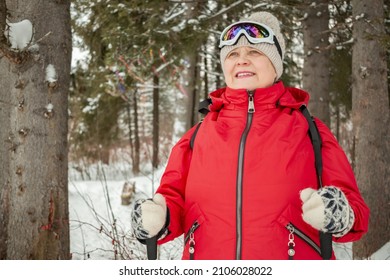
{"points": [[316, 63], [370, 115], [34, 124]]}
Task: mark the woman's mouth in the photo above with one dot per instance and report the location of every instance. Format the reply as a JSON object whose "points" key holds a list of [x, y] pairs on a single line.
{"points": [[244, 74]]}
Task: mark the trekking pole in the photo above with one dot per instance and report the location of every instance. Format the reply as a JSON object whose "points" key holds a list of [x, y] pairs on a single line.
{"points": [[151, 248]]}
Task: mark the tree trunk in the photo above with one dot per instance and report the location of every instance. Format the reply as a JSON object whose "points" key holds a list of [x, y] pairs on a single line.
{"points": [[370, 115], [316, 63], [189, 77], [136, 162], [206, 75], [131, 145], [156, 121], [34, 124]]}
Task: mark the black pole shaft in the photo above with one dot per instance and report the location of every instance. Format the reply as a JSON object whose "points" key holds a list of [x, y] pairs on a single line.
{"points": [[151, 248]]}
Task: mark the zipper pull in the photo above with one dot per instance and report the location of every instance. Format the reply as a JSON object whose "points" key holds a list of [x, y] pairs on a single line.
{"points": [[291, 243], [191, 242], [251, 105], [191, 249]]}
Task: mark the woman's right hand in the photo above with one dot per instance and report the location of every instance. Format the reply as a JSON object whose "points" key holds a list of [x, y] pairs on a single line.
{"points": [[149, 217]]}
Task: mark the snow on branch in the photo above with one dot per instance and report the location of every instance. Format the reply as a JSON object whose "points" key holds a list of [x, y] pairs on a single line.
{"points": [[20, 34], [51, 76]]}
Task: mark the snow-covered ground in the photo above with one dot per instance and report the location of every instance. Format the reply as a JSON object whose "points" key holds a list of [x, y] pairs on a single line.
{"points": [[95, 205], [100, 224]]}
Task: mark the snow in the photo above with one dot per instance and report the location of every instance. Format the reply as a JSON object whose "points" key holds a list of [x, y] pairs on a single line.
{"points": [[19, 34], [93, 103], [97, 217], [174, 15], [51, 74], [358, 17], [49, 107]]}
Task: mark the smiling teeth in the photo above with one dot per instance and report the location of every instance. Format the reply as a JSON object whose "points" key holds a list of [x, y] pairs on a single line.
{"points": [[244, 74]]}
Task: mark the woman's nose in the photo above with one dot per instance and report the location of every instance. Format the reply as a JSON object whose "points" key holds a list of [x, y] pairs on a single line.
{"points": [[242, 59]]}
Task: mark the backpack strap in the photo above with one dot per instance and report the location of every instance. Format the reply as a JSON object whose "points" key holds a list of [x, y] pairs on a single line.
{"points": [[193, 136], [325, 238], [316, 141], [203, 109], [204, 106]]}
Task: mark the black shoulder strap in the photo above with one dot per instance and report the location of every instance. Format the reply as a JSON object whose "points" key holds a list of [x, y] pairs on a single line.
{"points": [[203, 109], [193, 136], [325, 238], [316, 141], [204, 106]]}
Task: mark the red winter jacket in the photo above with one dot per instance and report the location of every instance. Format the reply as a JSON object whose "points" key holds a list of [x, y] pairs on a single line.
{"points": [[235, 193]]}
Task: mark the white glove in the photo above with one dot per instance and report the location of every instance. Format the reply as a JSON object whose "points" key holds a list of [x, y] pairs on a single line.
{"points": [[327, 210], [149, 217]]}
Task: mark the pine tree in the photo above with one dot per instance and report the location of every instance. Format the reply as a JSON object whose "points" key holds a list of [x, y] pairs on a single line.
{"points": [[34, 69], [316, 64], [371, 115]]}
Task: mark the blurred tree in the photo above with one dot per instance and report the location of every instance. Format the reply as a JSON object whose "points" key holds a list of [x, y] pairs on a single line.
{"points": [[340, 71], [315, 76], [371, 116]]}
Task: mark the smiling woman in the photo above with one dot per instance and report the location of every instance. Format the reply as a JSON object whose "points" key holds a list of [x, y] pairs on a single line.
{"points": [[247, 188]]}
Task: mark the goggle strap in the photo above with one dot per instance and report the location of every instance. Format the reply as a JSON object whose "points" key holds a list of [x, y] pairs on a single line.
{"points": [[278, 47]]}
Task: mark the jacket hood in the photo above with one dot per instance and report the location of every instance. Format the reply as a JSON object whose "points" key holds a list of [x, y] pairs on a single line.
{"points": [[273, 96]]}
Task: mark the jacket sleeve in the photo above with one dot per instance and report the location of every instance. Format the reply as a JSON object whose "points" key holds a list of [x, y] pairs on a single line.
{"points": [[338, 172], [173, 184]]}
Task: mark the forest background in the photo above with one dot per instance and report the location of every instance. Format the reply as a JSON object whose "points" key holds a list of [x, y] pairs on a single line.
{"points": [[138, 72]]}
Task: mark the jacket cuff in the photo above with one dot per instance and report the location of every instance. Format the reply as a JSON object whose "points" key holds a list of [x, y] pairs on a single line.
{"points": [[349, 226]]}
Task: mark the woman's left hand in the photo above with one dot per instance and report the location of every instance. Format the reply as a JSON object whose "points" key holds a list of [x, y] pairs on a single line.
{"points": [[328, 210]]}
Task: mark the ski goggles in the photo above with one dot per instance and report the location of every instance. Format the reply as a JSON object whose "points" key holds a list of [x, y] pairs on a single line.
{"points": [[255, 33]]}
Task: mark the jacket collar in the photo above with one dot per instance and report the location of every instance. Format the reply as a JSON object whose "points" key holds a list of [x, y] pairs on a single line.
{"points": [[273, 96]]}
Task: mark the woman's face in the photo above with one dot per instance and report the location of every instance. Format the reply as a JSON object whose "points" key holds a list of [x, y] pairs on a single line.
{"points": [[248, 68]]}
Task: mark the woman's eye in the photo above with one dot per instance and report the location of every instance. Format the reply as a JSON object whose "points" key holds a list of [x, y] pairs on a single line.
{"points": [[253, 52], [233, 54]]}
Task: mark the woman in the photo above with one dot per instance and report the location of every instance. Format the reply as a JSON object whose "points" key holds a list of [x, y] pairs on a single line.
{"points": [[248, 188]]}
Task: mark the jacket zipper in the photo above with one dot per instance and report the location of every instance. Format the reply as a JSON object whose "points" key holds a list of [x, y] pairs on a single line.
{"points": [[190, 236], [240, 169], [294, 230]]}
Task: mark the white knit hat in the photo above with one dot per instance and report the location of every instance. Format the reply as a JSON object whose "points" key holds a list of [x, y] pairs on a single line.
{"points": [[270, 50]]}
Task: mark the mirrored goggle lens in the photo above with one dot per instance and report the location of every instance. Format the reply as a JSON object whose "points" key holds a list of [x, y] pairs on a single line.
{"points": [[253, 30]]}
